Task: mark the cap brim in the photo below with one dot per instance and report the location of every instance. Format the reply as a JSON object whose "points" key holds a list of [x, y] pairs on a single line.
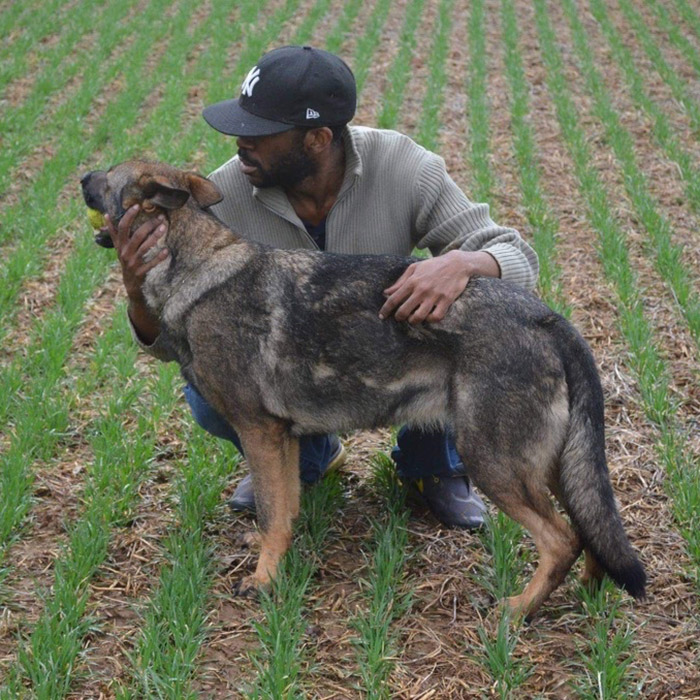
{"points": [[229, 118]]}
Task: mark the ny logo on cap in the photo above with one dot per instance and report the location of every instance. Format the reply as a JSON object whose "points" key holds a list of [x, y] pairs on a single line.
{"points": [[251, 80]]}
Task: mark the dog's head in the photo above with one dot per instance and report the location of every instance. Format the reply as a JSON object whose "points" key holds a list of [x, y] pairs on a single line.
{"points": [[156, 187]]}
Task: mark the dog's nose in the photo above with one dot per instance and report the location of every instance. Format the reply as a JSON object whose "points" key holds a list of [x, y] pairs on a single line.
{"points": [[86, 177]]}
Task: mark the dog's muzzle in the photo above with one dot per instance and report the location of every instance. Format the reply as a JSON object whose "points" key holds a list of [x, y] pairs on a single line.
{"points": [[90, 184]]}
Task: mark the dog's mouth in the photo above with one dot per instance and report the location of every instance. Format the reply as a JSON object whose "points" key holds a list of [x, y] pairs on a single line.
{"points": [[103, 238], [99, 225], [91, 187]]}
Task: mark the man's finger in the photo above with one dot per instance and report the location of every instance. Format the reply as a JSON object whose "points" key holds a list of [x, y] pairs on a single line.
{"points": [[124, 225], [147, 235], [157, 260], [421, 313], [393, 301], [439, 312], [141, 234], [407, 273], [410, 306], [150, 239]]}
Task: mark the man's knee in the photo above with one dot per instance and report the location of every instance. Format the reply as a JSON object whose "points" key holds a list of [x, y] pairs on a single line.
{"points": [[207, 417]]}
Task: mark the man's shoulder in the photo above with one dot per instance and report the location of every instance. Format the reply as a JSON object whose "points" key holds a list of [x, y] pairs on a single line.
{"points": [[392, 157], [369, 141]]}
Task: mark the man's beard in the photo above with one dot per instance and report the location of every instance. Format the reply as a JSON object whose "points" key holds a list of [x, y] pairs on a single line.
{"points": [[286, 172]]}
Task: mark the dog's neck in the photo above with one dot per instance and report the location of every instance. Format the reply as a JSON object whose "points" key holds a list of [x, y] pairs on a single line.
{"points": [[211, 234], [194, 266]]}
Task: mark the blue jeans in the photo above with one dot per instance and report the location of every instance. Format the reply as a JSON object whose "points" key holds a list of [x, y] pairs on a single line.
{"points": [[418, 452]]}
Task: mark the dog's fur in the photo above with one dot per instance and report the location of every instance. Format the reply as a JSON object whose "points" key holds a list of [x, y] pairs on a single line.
{"points": [[284, 343]]}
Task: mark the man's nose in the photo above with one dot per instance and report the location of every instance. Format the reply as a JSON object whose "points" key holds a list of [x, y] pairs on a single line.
{"points": [[245, 142]]}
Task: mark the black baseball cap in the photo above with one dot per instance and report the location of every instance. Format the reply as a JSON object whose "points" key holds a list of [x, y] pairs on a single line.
{"points": [[288, 87]]}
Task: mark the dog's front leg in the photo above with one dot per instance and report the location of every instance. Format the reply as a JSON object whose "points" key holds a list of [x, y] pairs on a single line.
{"points": [[273, 459]]}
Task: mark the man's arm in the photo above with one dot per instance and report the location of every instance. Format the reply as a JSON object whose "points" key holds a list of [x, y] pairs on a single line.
{"points": [[447, 220], [427, 289], [466, 242]]}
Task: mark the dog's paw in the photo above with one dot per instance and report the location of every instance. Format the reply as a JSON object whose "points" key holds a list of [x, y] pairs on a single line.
{"points": [[247, 587], [249, 540], [520, 610]]}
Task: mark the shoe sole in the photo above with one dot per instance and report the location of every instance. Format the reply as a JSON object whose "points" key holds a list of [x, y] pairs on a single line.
{"points": [[416, 498], [337, 461]]}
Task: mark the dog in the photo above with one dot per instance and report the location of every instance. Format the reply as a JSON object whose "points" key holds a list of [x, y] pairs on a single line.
{"points": [[284, 343]]}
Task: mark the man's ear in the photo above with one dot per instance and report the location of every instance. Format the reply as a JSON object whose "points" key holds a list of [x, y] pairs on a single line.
{"points": [[318, 140], [163, 193], [204, 191]]}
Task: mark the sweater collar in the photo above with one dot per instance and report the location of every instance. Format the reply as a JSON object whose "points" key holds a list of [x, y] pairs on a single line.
{"points": [[353, 161]]}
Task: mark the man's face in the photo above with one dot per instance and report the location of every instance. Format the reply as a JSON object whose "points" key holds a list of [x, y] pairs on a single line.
{"points": [[277, 160]]}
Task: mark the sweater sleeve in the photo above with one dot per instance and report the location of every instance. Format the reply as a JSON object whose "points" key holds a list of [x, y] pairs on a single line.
{"points": [[156, 349], [446, 220]]}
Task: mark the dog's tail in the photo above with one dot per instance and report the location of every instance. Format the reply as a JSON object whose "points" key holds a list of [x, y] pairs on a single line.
{"points": [[584, 480]]}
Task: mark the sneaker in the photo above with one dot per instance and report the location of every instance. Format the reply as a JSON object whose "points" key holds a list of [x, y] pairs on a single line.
{"points": [[243, 498], [452, 501], [338, 457]]}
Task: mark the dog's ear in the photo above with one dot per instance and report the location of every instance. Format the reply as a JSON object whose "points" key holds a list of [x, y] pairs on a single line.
{"points": [[163, 193], [204, 191]]}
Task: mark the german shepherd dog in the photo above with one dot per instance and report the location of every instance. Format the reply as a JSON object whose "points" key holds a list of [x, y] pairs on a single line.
{"points": [[284, 343]]}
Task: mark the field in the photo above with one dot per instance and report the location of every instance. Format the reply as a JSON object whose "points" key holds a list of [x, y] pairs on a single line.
{"points": [[579, 123]]}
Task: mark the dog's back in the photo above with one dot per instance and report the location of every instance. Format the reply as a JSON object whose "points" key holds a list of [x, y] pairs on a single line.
{"points": [[321, 357]]}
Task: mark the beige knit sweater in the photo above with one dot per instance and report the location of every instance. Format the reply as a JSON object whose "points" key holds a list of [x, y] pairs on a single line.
{"points": [[395, 196]]}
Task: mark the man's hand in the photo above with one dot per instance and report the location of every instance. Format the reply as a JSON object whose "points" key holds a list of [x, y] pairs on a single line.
{"points": [[131, 251], [426, 290]]}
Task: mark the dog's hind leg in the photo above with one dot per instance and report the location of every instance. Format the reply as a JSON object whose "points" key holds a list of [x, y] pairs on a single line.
{"points": [[528, 502], [593, 572], [557, 544], [273, 458]]}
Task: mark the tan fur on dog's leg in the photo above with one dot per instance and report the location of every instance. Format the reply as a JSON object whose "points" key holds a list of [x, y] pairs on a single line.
{"points": [[592, 572], [293, 489], [273, 457], [558, 546]]}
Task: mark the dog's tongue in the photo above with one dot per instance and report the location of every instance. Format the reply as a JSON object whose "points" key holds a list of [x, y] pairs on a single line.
{"points": [[96, 219]]}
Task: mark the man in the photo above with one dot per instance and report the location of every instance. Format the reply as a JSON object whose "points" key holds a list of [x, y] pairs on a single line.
{"points": [[303, 178]]}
